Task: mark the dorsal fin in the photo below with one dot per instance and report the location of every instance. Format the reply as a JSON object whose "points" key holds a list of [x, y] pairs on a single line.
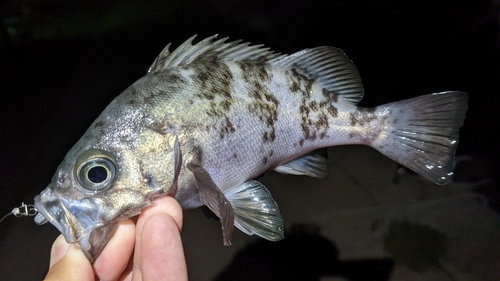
{"points": [[329, 67], [207, 49]]}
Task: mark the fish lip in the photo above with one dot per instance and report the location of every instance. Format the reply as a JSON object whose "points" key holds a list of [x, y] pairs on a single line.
{"points": [[55, 218], [74, 223]]}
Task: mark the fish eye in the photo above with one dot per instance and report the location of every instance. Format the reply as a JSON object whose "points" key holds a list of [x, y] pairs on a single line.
{"points": [[95, 171]]}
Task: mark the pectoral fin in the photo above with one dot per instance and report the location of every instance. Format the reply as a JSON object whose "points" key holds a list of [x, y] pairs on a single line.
{"points": [[214, 199], [313, 165], [177, 166], [255, 210]]}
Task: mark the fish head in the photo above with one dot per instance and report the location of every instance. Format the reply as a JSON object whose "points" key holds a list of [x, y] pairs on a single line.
{"points": [[99, 184], [90, 193]]}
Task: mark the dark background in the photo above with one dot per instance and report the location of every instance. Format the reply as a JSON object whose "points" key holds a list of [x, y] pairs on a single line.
{"points": [[62, 62]]}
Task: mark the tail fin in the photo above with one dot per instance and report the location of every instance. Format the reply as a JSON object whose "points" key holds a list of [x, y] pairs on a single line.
{"points": [[422, 133]]}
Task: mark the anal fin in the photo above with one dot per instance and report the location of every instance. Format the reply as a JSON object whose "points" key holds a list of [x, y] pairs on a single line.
{"points": [[313, 165], [255, 211]]}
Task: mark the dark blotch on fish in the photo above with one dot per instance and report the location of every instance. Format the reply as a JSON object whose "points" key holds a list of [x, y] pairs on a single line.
{"points": [[265, 104], [362, 116], [353, 119], [264, 160], [333, 111], [215, 80], [298, 82], [331, 96], [227, 129], [269, 136]]}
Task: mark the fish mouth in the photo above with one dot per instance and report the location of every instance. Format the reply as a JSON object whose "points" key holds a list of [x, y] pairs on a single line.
{"points": [[78, 221], [48, 205]]}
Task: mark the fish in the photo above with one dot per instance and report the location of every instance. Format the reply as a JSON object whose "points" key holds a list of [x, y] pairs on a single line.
{"points": [[208, 118]]}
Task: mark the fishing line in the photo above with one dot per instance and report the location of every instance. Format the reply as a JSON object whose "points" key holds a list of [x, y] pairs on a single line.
{"points": [[24, 210], [1, 220]]}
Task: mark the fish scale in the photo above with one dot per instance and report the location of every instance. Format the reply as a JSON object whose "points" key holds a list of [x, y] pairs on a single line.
{"points": [[210, 117]]}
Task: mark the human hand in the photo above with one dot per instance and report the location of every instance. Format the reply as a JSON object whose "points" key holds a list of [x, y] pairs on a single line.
{"points": [[158, 253]]}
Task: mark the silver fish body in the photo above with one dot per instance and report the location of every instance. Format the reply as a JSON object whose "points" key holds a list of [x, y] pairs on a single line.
{"points": [[210, 117]]}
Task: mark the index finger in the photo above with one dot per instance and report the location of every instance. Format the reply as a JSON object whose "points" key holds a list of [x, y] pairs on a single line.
{"points": [[116, 254], [158, 240], [166, 205]]}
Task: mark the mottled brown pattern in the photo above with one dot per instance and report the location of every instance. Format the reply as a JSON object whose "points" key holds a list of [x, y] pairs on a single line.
{"points": [[219, 108], [269, 136], [315, 118], [315, 114], [331, 96], [353, 119], [362, 117], [268, 157], [255, 71], [214, 80], [172, 78], [360, 120], [227, 128], [300, 83], [265, 104], [174, 81], [333, 111], [267, 112], [262, 73], [264, 160]]}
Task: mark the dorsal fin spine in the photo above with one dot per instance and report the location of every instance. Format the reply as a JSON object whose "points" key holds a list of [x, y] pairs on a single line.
{"points": [[328, 66], [208, 49]]}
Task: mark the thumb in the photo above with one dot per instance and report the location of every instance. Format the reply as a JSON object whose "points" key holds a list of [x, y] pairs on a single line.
{"points": [[67, 262]]}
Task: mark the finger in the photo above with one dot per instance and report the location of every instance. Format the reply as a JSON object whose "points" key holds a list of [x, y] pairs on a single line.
{"points": [[162, 254], [165, 205], [72, 266], [136, 264], [127, 274], [115, 256], [59, 249]]}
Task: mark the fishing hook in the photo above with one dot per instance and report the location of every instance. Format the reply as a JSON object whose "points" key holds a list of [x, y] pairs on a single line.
{"points": [[26, 210]]}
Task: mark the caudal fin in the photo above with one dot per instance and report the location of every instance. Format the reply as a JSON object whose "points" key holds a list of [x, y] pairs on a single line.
{"points": [[422, 133]]}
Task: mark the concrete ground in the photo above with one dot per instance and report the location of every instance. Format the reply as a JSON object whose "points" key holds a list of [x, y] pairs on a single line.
{"points": [[426, 232]]}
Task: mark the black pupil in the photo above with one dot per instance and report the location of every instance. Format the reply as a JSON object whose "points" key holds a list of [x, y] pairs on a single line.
{"points": [[97, 174]]}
